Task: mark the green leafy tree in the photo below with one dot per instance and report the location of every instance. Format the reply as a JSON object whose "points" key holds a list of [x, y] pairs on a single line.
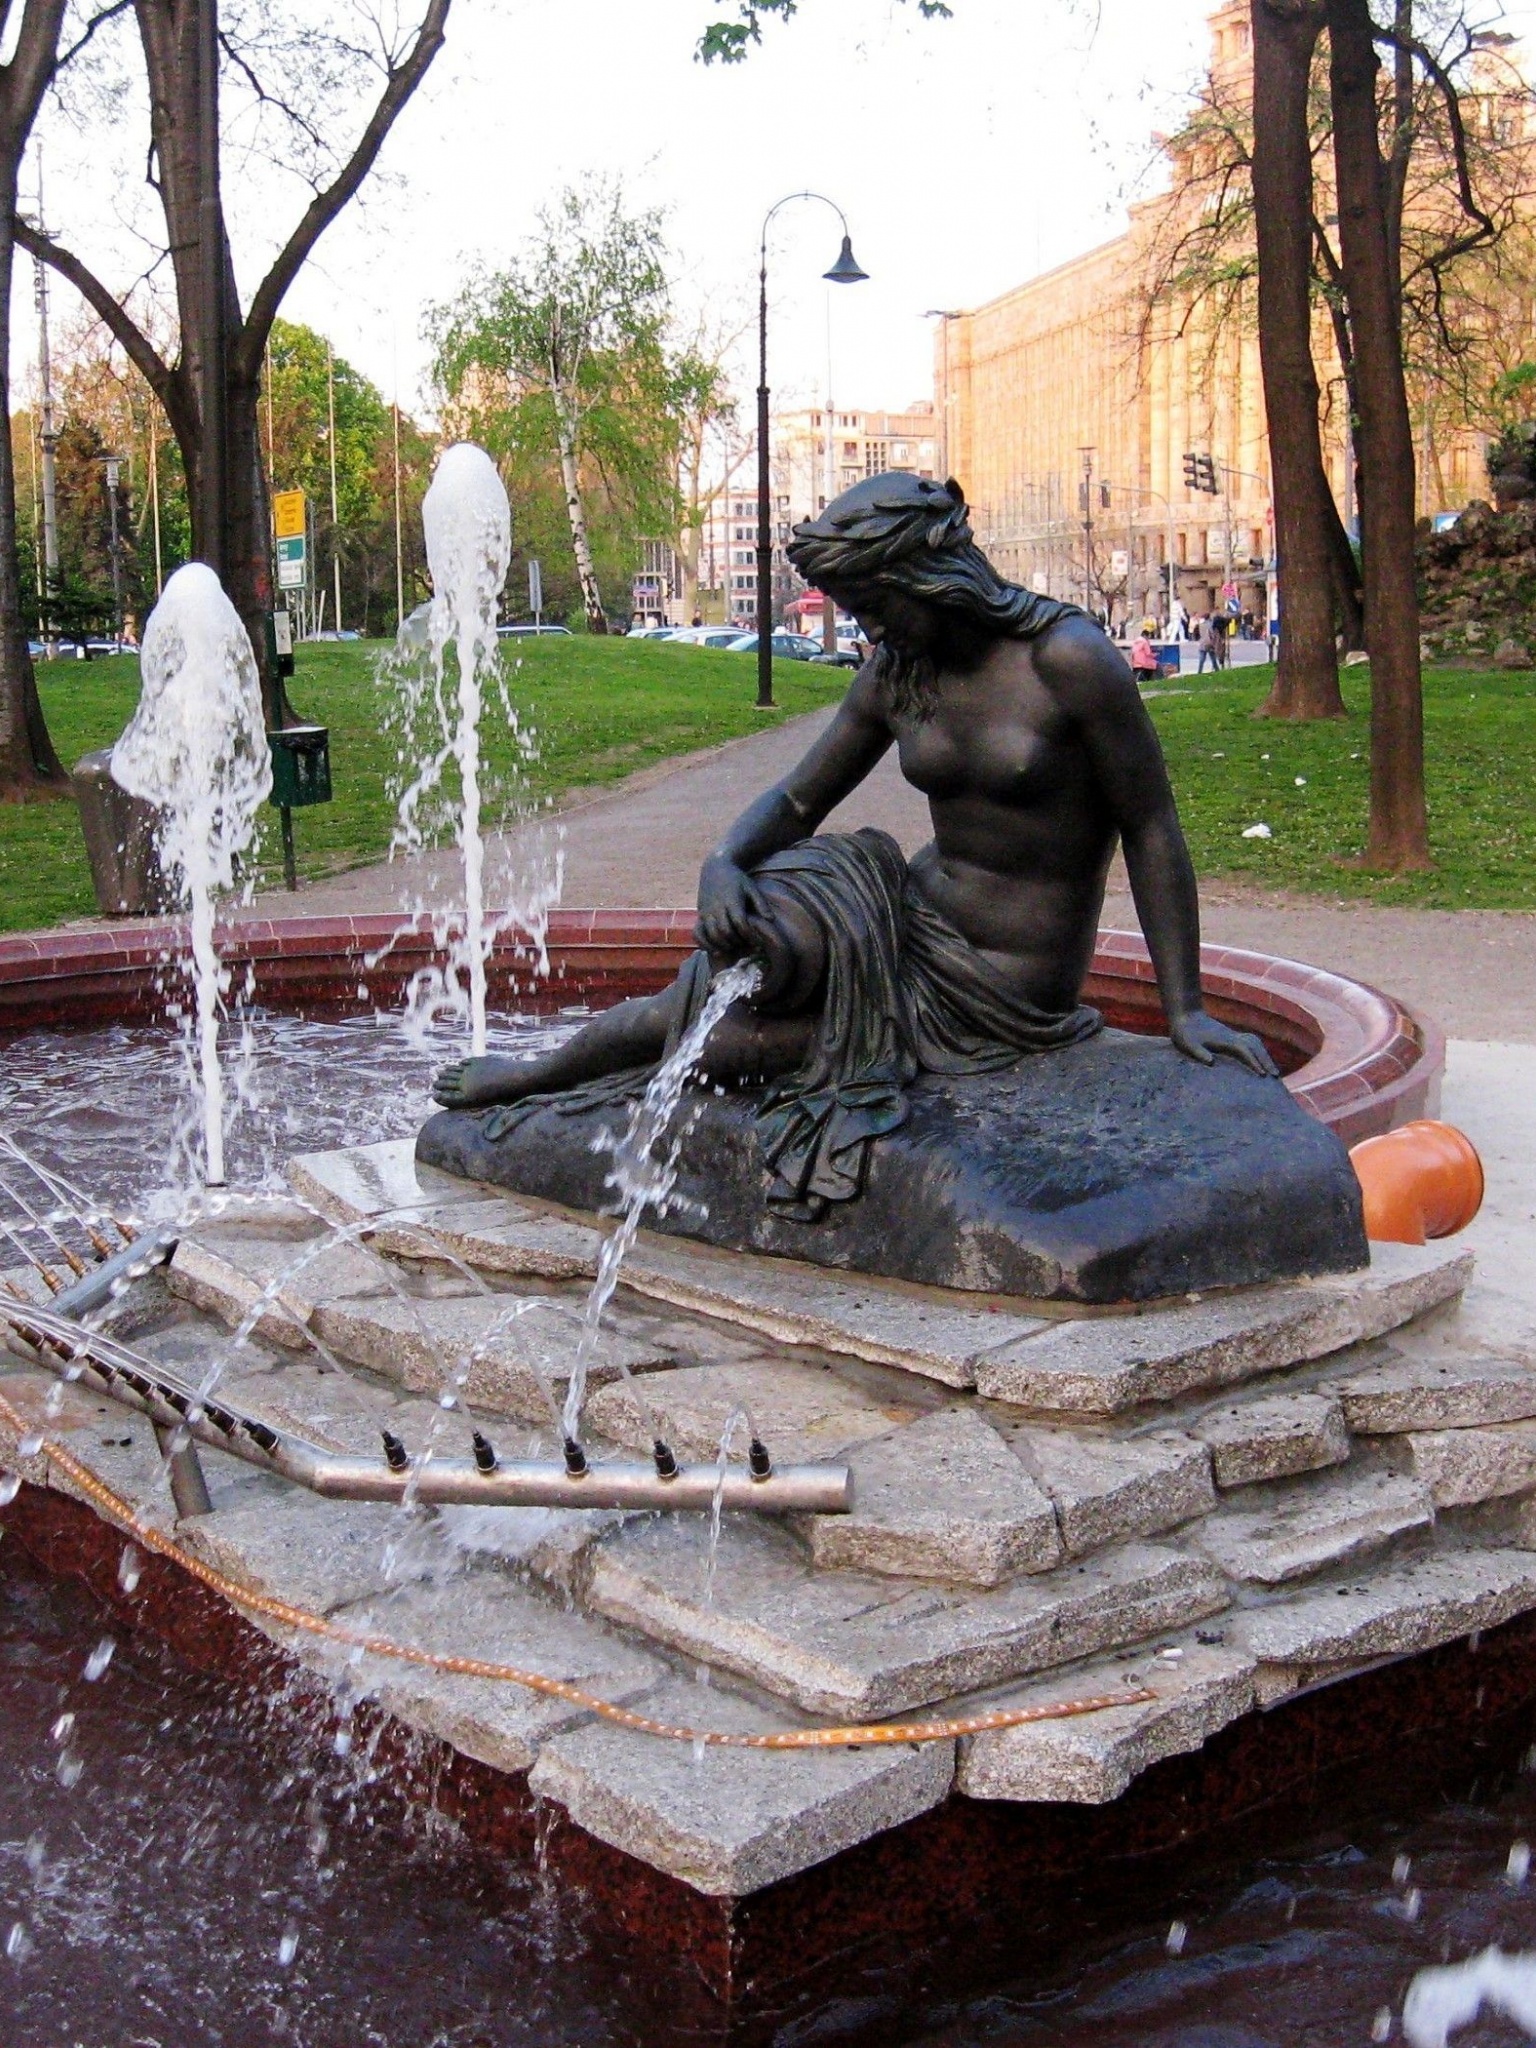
{"points": [[565, 351]]}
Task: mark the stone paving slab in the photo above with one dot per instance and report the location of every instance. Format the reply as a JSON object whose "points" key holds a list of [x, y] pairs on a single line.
{"points": [[732, 1821], [922, 1330], [486, 1614], [318, 1554], [505, 1353], [943, 1498], [437, 1215], [1409, 1393], [225, 1272], [117, 1444], [1104, 1365], [1273, 1437], [938, 1335], [1304, 1527], [804, 1411], [1107, 1489], [1092, 1758], [1419, 1604], [849, 1644], [1462, 1466]]}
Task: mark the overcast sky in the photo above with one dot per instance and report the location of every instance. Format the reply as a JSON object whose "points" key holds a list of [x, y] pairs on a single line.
{"points": [[968, 154]]}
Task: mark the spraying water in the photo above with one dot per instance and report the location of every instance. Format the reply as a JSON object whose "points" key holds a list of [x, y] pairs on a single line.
{"points": [[468, 525], [642, 1177], [1440, 2001], [196, 748]]}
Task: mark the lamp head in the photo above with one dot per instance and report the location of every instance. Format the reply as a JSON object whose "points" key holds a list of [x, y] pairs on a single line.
{"points": [[846, 269]]}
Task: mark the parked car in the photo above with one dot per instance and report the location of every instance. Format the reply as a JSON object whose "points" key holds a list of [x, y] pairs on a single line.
{"points": [[652, 632], [705, 636], [786, 646], [849, 655], [532, 632]]}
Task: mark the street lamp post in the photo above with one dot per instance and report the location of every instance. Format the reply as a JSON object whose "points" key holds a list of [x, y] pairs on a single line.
{"points": [[114, 464], [844, 271]]}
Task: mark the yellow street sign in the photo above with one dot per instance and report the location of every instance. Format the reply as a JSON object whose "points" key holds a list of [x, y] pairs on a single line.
{"points": [[288, 514]]}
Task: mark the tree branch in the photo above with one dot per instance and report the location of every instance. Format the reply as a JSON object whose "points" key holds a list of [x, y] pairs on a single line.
{"points": [[136, 344], [400, 83], [1488, 229], [33, 63], [96, 21]]}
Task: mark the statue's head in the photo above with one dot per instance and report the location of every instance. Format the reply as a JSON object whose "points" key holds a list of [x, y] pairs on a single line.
{"points": [[898, 552]]}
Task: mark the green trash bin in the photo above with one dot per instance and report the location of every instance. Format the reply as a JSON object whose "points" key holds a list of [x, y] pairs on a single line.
{"points": [[301, 774]]}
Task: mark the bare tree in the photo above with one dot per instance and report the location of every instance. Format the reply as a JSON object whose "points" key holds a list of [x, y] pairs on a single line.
{"points": [[262, 63]]}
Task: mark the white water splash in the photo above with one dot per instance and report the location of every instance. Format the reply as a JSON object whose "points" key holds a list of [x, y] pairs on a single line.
{"points": [[468, 526], [642, 1176], [1440, 2000], [196, 748]]}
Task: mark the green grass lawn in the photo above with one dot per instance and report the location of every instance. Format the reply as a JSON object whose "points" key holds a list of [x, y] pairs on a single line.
{"points": [[599, 710], [602, 709], [1309, 784]]}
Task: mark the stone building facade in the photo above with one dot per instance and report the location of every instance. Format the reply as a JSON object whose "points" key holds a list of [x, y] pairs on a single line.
{"points": [[1069, 405]]}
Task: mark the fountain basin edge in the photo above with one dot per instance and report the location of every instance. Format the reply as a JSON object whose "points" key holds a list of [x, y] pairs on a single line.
{"points": [[1359, 1060]]}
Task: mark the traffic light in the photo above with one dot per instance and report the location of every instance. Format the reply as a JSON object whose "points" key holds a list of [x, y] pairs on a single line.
{"points": [[1200, 473], [1208, 475], [1191, 470]]}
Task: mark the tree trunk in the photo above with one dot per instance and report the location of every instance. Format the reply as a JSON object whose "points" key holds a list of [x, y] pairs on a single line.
{"points": [[28, 764], [1348, 611], [1285, 35], [689, 541], [591, 596], [1399, 830]]}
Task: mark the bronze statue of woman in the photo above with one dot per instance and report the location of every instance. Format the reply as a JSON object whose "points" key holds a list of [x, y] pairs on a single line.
{"points": [[1022, 725]]}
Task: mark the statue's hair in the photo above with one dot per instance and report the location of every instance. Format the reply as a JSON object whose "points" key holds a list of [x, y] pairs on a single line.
{"points": [[910, 534]]}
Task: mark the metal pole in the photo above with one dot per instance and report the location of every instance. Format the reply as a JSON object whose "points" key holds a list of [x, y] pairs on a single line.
{"points": [[117, 560], [213, 454], [1087, 455], [48, 581], [828, 602], [154, 494], [764, 508], [330, 408], [399, 547]]}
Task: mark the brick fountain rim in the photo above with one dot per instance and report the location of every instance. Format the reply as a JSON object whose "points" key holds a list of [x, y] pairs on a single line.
{"points": [[1359, 1060]]}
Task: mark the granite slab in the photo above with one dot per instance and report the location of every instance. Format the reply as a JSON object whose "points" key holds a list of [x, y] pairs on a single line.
{"points": [[1105, 1365], [1090, 1759], [943, 1498], [854, 1645], [732, 1821], [1106, 1489], [1331, 1518], [1273, 1437]]}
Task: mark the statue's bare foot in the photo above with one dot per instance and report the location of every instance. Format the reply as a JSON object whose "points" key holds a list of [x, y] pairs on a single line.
{"points": [[473, 1084]]}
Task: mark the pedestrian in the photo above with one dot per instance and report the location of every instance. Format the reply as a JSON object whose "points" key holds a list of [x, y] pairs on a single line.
{"points": [[1205, 640], [1143, 659]]}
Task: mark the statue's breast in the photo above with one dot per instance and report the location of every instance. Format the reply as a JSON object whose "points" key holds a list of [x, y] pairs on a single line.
{"points": [[1006, 759]]}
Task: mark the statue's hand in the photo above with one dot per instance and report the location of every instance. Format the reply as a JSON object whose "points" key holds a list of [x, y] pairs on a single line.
{"points": [[1203, 1038], [729, 910]]}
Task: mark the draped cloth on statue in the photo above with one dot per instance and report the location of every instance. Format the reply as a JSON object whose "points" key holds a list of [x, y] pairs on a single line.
{"points": [[903, 993]]}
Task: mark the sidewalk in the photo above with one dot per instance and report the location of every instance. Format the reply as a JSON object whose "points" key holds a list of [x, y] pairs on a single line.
{"points": [[642, 841]]}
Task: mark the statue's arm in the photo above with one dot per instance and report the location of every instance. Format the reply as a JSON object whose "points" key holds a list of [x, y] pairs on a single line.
{"points": [[1093, 685], [791, 810]]}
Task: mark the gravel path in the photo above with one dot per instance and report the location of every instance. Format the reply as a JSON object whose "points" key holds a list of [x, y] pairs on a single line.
{"points": [[641, 842]]}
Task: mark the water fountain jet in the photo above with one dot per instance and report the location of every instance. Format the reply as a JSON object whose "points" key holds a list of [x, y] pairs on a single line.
{"points": [[196, 748]]}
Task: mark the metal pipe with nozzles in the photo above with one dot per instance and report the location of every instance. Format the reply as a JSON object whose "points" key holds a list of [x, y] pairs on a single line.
{"points": [[142, 1383]]}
